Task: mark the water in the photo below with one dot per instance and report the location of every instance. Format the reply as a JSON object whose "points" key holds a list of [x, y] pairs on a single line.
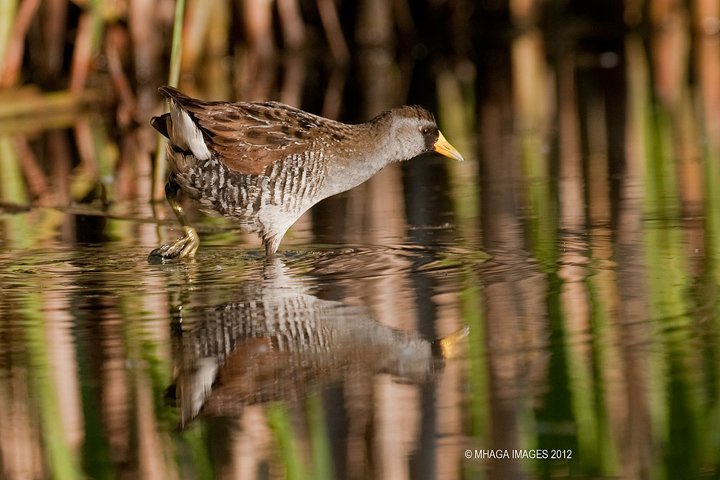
{"points": [[547, 309], [320, 362], [290, 362]]}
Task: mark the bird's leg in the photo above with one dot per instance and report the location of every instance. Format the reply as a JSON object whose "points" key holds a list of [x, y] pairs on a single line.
{"points": [[271, 242], [184, 246]]}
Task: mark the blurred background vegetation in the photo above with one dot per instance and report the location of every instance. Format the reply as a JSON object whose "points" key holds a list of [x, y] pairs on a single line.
{"points": [[342, 59]]}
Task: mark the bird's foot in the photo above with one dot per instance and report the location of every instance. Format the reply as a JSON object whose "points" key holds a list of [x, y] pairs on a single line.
{"points": [[184, 246]]}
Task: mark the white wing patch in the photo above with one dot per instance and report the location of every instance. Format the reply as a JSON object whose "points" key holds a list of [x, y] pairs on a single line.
{"points": [[185, 134]]}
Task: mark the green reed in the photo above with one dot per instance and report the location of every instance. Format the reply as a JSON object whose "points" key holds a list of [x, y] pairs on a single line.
{"points": [[322, 461], [280, 424], [62, 461], [8, 9], [160, 170]]}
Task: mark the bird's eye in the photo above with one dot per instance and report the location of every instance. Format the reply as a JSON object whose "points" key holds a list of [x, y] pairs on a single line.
{"points": [[425, 130]]}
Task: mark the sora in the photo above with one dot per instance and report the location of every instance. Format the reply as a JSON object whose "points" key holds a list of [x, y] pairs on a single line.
{"points": [[265, 164]]}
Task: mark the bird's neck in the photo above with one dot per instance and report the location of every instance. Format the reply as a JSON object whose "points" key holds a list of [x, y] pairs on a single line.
{"points": [[382, 145], [373, 151], [373, 147]]}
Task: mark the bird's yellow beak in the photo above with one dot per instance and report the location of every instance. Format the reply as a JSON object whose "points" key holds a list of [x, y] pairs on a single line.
{"points": [[449, 346], [443, 147]]}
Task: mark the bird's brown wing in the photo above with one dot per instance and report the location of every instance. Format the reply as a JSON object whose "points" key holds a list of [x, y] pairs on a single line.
{"points": [[248, 137]]}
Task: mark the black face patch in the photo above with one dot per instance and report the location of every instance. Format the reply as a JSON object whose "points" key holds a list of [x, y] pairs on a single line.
{"points": [[430, 135]]}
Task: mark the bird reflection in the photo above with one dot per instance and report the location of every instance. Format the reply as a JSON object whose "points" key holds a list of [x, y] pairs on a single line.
{"points": [[276, 341]]}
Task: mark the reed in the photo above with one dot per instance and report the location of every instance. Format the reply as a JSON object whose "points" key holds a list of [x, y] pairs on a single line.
{"points": [[12, 185], [8, 10], [62, 460], [473, 314], [322, 461], [21, 103], [455, 106], [160, 165], [280, 424]]}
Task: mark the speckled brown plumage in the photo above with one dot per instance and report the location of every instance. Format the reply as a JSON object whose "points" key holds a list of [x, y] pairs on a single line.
{"points": [[264, 164]]}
